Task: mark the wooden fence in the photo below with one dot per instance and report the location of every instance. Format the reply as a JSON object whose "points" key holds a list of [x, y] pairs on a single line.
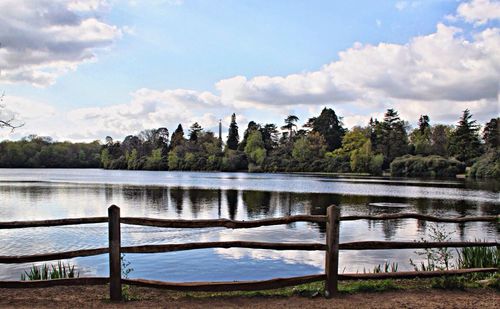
{"points": [[332, 247]]}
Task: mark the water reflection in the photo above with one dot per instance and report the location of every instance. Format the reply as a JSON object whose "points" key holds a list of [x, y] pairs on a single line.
{"points": [[232, 203], [40, 200]]}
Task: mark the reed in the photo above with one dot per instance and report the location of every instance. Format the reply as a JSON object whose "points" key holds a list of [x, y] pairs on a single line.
{"points": [[387, 267], [49, 272], [478, 257]]}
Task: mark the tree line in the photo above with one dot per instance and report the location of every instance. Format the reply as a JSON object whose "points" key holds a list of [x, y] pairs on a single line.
{"points": [[37, 151], [320, 144]]}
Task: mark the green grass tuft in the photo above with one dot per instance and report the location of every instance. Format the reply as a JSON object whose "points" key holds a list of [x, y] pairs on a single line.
{"points": [[369, 286], [49, 272], [479, 257]]}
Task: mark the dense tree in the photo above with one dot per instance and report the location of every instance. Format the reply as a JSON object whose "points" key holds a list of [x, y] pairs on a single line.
{"points": [[177, 137], [233, 137], [420, 138], [130, 143], [491, 133], [161, 138], [290, 121], [194, 130], [423, 123], [465, 144], [270, 135], [109, 140], [234, 160], [487, 166], [255, 151], [37, 151], [156, 161], [309, 148], [428, 166], [440, 139], [176, 158], [357, 147], [391, 137], [251, 127], [328, 125], [362, 149]]}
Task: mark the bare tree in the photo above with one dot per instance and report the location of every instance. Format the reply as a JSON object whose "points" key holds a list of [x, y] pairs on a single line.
{"points": [[10, 123]]}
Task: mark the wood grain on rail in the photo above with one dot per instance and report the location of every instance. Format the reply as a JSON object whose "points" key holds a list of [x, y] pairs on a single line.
{"points": [[223, 244], [12, 259], [422, 217], [55, 222], [381, 245], [233, 224], [226, 286], [53, 282]]}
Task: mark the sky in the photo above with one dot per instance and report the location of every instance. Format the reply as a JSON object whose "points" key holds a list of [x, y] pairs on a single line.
{"points": [[81, 70]]}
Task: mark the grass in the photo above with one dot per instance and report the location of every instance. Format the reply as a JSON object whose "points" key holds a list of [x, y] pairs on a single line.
{"points": [[369, 286], [387, 267], [315, 289], [49, 272], [450, 283], [479, 257]]}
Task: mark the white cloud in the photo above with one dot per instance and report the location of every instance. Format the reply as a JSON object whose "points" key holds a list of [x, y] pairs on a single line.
{"points": [[33, 114], [18, 107], [149, 109], [40, 40], [439, 74], [440, 66], [87, 5], [479, 12]]}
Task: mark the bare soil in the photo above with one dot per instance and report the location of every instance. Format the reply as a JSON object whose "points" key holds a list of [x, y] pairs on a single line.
{"points": [[97, 297]]}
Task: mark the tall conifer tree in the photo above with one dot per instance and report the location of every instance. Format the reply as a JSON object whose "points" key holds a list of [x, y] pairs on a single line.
{"points": [[233, 137]]}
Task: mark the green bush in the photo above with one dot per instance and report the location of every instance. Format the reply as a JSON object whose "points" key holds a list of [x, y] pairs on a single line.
{"points": [[449, 283], [487, 166], [429, 166], [234, 160]]}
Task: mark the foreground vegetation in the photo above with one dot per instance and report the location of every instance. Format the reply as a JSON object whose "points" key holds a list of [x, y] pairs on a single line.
{"points": [[321, 145], [49, 272], [436, 259]]}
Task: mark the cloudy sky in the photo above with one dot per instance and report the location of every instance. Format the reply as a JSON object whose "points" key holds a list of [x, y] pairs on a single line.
{"points": [[84, 69]]}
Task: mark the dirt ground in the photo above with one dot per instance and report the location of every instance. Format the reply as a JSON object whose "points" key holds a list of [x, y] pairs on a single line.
{"points": [[96, 297]]}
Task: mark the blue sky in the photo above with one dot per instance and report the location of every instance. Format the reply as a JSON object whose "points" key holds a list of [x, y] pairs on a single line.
{"points": [[162, 61]]}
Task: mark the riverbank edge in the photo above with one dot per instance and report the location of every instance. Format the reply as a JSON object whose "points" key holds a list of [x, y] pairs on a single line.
{"points": [[411, 296]]}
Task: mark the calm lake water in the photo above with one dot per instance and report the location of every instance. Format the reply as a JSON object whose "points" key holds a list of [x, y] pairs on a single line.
{"points": [[37, 194]]}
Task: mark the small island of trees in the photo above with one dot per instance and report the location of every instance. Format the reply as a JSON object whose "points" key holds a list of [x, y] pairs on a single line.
{"points": [[321, 144]]}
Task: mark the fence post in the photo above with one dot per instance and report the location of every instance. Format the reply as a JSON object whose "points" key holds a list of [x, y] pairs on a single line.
{"points": [[115, 271], [332, 251]]}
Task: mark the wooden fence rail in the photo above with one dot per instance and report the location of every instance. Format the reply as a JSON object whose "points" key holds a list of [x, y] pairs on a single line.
{"points": [[234, 224], [331, 247], [360, 245], [239, 285]]}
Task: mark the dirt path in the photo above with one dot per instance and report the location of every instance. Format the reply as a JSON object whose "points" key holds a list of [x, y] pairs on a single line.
{"points": [[96, 297]]}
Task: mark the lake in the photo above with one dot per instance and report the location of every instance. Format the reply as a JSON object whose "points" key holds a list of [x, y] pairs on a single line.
{"points": [[37, 194]]}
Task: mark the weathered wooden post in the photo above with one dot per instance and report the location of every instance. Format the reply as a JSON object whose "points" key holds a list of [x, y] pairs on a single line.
{"points": [[332, 251], [115, 271]]}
